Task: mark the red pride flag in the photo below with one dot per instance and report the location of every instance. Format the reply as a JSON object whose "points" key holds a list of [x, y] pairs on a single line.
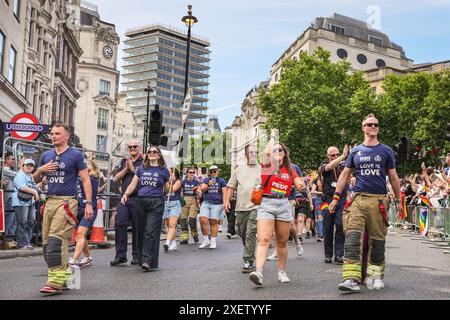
{"points": [[426, 201], [403, 204]]}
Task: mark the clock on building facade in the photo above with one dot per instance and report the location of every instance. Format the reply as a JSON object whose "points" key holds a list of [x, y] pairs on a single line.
{"points": [[107, 52]]}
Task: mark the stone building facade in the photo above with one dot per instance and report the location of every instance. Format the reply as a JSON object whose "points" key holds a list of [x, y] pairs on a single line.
{"points": [[97, 79], [13, 19]]}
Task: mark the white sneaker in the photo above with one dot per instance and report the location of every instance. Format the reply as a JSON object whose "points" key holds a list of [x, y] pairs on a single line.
{"points": [[273, 256], [282, 277], [213, 245], [374, 283], [349, 285], [220, 228], [173, 246], [299, 248], [257, 278], [204, 244], [73, 263], [86, 261]]}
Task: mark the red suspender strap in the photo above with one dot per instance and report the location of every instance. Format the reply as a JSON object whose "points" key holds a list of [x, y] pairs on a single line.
{"points": [[72, 219], [383, 212]]}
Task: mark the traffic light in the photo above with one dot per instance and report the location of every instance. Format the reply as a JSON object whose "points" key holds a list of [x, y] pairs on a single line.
{"points": [[156, 130], [396, 152], [404, 149], [448, 131]]}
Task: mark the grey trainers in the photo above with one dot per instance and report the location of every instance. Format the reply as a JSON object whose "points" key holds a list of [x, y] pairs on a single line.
{"points": [[257, 278], [349, 285]]}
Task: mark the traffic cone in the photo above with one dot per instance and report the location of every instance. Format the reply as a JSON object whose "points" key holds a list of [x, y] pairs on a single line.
{"points": [[98, 232]]}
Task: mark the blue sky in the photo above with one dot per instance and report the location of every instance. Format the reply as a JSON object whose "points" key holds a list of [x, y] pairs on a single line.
{"points": [[248, 36]]}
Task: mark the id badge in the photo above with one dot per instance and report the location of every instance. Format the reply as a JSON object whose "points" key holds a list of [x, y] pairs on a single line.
{"points": [[334, 184]]}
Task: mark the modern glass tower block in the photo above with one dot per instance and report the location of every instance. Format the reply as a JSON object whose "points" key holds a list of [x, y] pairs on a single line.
{"points": [[156, 54]]}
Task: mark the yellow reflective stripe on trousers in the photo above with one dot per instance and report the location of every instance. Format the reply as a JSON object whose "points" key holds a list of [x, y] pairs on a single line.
{"points": [[352, 271], [58, 277], [375, 271]]}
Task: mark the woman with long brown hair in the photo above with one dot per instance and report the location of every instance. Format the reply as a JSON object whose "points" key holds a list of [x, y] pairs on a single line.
{"points": [[274, 213], [153, 181]]}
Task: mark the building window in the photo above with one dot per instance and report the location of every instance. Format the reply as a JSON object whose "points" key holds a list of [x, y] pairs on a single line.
{"points": [[102, 120], [361, 58], [2, 49], [16, 8], [99, 140], [380, 63], [104, 87], [342, 53], [376, 41], [12, 65], [337, 29]]}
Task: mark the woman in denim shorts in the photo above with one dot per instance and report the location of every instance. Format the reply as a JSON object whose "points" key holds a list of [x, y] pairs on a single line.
{"points": [[172, 209], [274, 213], [211, 210]]}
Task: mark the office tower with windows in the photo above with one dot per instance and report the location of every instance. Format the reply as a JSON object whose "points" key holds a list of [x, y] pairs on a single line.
{"points": [[156, 55]]}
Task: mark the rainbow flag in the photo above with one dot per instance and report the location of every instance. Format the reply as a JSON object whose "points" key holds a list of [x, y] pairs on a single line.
{"points": [[423, 222], [426, 201], [324, 206], [426, 189], [405, 212]]}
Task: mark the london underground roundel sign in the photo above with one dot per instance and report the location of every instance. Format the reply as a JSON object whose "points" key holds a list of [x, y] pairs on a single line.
{"points": [[26, 122]]}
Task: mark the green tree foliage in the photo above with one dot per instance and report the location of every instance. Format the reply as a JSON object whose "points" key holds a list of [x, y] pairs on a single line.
{"points": [[417, 105], [205, 152], [317, 104]]}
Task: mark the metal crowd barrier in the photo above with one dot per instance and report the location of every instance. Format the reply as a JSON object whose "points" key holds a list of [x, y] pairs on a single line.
{"points": [[437, 225]]}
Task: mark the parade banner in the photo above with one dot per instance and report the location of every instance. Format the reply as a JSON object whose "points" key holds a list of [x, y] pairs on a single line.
{"points": [[423, 223]]}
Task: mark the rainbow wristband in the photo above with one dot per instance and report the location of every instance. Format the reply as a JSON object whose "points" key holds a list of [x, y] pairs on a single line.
{"points": [[337, 196]]}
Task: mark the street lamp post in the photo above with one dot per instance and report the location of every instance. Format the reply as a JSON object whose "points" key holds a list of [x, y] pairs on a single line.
{"points": [[146, 125], [189, 21]]}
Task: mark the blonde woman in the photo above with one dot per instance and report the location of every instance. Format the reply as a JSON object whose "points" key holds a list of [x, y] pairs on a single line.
{"points": [[85, 224], [172, 209]]}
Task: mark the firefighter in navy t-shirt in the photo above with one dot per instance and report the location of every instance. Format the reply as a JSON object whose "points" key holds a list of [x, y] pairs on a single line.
{"points": [[372, 163], [62, 166]]}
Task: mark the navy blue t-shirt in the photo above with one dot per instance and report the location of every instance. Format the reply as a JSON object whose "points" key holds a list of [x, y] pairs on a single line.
{"points": [[63, 182], [126, 180], [151, 181], [188, 187], [213, 194], [82, 196], [371, 165], [297, 169], [174, 196]]}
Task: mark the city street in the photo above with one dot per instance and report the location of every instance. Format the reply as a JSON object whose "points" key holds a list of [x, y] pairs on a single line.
{"points": [[414, 271]]}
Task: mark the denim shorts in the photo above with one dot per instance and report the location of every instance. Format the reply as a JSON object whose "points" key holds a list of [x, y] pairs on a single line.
{"points": [[211, 211], [83, 222], [275, 209], [172, 210]]}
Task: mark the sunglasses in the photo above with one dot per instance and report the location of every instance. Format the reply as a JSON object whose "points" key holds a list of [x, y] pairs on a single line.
{"points": [[335, 155], [278, 150], [191, 172], [30, 165], [132, 147], [213, 171], [370, 125], [153, 151]]}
